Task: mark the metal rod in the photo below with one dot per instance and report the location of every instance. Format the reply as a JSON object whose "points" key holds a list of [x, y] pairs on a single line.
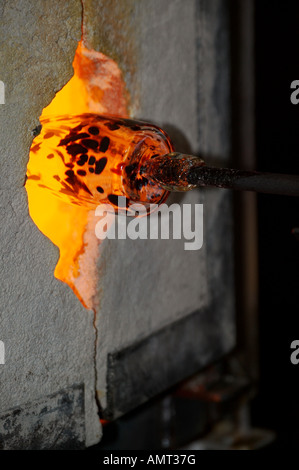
{"points": [[179, 172], [270, 183]]}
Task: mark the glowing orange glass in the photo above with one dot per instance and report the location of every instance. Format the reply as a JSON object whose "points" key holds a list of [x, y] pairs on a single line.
{"points": [[92, 159]]}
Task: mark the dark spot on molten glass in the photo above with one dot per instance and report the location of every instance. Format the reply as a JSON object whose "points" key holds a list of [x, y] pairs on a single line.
{"points": [[35, 148], [130, 168], [56, 177], [91, 170], [60, 154], [104, 144], [90, 143], [130, 123], [51, 155], [69, 192], [33, 177], [72, 138], [113, 199], [113, 126], [84, 157], [82, 160], [70, 173], [93, 130], [69, 165], [118, 200], [85, 188], [100, 165], [133, 176], [77, 128], [138, 184], [48, 135], [81, 172], [71, 181], [66, 186], [75, 149], [91, 161], [76, 183], [100, 189]]}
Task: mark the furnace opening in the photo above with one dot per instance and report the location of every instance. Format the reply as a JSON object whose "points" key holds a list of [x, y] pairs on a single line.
{"points": [[96, 87]]}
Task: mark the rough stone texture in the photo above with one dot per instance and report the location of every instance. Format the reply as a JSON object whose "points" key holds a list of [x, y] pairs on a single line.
{"points": [[48, 335], [53, 422], [212, 24], [113, 27]]}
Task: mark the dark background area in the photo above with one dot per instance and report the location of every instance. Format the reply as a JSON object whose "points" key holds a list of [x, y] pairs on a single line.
{"points": [[277, 147]]}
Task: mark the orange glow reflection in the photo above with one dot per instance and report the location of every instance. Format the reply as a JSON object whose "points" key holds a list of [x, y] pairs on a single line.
{"points": [[96, 87]]}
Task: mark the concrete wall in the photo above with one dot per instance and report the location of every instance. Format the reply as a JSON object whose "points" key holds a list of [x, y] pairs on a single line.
{"points": [[174, 57]]}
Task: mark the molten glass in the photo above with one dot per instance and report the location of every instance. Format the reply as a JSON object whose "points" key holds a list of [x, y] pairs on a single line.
{"points": [[97, 87], [92, 159]]}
